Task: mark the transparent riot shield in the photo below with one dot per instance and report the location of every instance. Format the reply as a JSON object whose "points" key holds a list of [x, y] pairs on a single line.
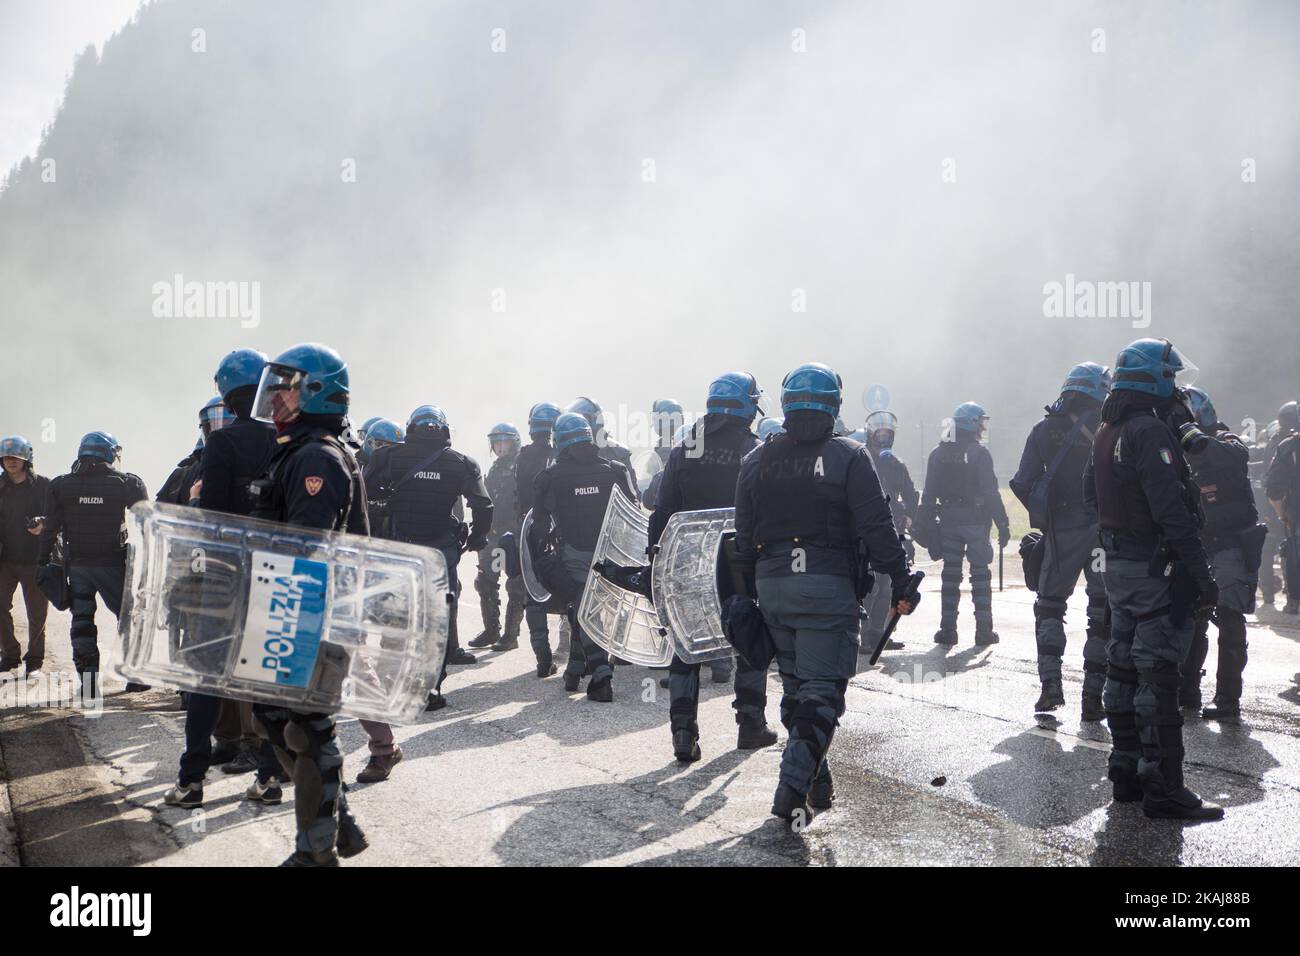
{"points": [[685, 583], [256, 610], [624, 623], [535, 588]]}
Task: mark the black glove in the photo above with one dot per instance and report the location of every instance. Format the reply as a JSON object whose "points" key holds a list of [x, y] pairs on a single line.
{"points": [[1004, 536], [901, 590], [476, 542], [936, 553]]}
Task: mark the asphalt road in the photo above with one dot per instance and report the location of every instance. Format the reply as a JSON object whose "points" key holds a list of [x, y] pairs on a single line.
{"points": [[939, 760]]}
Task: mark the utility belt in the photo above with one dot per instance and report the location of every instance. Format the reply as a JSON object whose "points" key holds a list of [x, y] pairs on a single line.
{"points": [[964, 501], [1127, 546]]}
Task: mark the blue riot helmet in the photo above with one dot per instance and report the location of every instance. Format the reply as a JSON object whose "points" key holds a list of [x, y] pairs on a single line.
{"points": [[239, 369], [735, 393], [382, 433], [428, 416], [813, 386], [881, 429], [970, 417], [16, 446], [310, 379], [1090, 378], [214, 416], [503, 433], [541, 418], [1153, 366], [1202, 408], [768, 426], [589, 410], [367, 425], [101, 445], [571, 428]]}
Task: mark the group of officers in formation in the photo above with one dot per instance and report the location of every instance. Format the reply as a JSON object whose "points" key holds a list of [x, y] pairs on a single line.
{"points": [[1129, 480]]}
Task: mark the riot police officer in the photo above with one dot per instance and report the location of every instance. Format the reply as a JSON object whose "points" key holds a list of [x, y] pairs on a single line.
{"points": [[958, 505], [667, 417], [1049, 483], [767, 426], [532, 460], [378, 433], [1157, 576], [500, 484], [311, 481], [179, 486], [24, 499], [237, 449], [1282, 488], [607, 447], [89, 506], [1234, 541], [880, 431], [805, 501], [417, 484], [569, 501], [701, 473], [1281, 428]]}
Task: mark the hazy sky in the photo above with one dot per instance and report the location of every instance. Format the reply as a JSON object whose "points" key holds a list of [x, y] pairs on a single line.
{"points": [[39, 39]]}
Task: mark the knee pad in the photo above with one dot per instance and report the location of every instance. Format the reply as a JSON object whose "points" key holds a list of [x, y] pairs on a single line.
{"points": [[1050, 609]]}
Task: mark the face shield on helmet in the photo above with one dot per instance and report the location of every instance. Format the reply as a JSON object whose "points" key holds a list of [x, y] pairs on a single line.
{"points": [[279, 394], [214, 416], [881, 429]]}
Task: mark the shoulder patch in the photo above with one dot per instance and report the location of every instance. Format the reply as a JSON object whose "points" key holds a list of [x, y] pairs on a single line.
{"points": [[313, 484], [1166, 456]]}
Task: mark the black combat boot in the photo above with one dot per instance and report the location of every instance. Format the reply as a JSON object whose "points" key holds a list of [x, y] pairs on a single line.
{"points": [[435, 702], [791, 806], [601, 691], [987, 638], [1222, 708], [753, 733], [506, 644], [486, 638], [351, 840], [822, 793], [1124, 785], [946, 637], [686, 745], [1165, 795], [1052, 697], [1092, 709], [545, 669], [572, 682]]}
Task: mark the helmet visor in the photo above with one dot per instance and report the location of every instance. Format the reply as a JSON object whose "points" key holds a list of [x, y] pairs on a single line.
{"points": [[278, 394]]}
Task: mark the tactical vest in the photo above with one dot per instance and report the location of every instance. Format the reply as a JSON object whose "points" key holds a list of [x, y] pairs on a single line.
{"points": [[711, 467], [500, 485], [1226, 495], [954, 477], [890, 471], [1066, 492], [581, 489], [533, 459], [420, 510], [255, 446], [94, 500], [1121, 503], [790, 508], [270, 497]]}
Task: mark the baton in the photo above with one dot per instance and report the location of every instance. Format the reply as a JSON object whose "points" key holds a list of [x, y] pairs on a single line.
{"points": [[912, 596], [1001, 550]]}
